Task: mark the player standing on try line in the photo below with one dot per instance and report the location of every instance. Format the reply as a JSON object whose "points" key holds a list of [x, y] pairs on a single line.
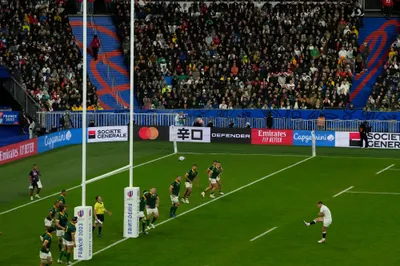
{"points": [[152, 200], [212, 174], [62, 196], [325, 216], [99, 211], [69, 241], [34, 179], [142, 216], [45, 253], [174, 189], [190, 176]]}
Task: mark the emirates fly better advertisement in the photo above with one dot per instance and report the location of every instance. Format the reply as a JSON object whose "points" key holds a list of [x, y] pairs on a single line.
{"points": [[271, 136]]}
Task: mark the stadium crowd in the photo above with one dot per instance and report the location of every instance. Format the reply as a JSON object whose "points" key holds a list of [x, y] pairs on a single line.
{"points": [[385, 94], [39, 49], [244, 55]]}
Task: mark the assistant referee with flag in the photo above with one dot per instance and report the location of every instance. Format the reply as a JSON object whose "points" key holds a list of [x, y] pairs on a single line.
{"points": [[99, 211]]}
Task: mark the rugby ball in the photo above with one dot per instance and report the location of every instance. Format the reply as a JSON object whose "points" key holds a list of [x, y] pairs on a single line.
{"points": [[181, 158]]}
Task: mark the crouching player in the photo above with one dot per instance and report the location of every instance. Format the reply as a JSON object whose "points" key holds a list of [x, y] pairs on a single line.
{"points": [[45, 253], [325, 217], [68, 241]]}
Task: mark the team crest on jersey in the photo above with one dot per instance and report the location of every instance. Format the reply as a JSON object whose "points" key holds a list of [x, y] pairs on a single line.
{"points": [[81, 213], [130, 194]]}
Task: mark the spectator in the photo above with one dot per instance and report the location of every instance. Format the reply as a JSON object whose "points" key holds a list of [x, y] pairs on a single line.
{"points": [[270, 120], [90, 6], [79, 6], [387, 8], [365, 55], [210, 124], [108, 6], [248, 125], [95, 44], [231, 124], [202, 51]]}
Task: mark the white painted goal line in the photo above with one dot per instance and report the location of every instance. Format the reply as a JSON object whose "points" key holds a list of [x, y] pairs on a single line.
{"points": [[206, 203], [343, 191], [117, 171]]}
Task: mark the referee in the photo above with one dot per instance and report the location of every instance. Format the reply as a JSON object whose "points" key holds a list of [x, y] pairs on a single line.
{"points": [[99, 211]]}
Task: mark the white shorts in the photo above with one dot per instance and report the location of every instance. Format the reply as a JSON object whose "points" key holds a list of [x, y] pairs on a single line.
{"points": [[151, 211], [39, 185], [48, 223], [213, 181], [174, 199], [60, 233], [68, 243], [188, 184], [327, 223], [141, 214], [46, 257], [218, 179]]}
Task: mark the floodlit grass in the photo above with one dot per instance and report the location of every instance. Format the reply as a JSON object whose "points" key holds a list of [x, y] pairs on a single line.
{"points": [[363, 231]]}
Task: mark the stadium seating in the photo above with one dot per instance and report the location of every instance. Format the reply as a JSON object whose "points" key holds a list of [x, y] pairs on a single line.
{"points": [[243, 55], [38, 48], [385, 94]]}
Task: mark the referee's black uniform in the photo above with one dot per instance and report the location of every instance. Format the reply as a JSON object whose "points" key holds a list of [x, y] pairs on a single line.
{"points": [[363, 135]]}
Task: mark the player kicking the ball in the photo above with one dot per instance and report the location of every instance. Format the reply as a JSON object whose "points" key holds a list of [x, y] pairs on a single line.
{"points": [[213, 175], [325, 217], [174, 189], [190, 176]]}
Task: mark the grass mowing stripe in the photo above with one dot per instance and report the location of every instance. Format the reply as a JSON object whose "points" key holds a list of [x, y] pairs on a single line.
{"points": [[263, 234], [343, 191], [383, 170], [117, 171], [374, 193], [208, 202]]}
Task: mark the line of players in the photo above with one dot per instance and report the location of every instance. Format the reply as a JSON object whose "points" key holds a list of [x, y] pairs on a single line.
{"points": [[57, 220], [149, 200]]}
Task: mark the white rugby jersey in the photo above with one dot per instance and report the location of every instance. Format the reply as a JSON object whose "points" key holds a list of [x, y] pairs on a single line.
{"points": [[327, 213]]}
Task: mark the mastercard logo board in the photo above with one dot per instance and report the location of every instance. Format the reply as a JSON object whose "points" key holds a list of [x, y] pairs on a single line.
{"points": [[148, 133]]}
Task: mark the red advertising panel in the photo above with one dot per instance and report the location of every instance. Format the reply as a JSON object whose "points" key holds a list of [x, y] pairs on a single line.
{"points": [[18, 151], [271, 136]]}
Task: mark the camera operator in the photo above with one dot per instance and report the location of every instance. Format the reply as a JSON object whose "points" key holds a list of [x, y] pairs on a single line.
{"points": [[364, 130]]}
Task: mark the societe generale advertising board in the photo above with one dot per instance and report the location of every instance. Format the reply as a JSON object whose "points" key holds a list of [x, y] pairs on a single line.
{"points": [[271, 136], [107, 134]]}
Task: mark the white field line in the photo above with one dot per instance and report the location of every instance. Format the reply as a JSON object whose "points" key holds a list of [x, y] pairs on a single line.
{"points": [[374, 193], [343, 191], [206, 203], [263, 234], [287, 155], [383, 170], [117, 171]]}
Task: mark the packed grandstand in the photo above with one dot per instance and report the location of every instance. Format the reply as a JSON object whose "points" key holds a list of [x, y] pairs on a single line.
{"points": [[218, 55]]}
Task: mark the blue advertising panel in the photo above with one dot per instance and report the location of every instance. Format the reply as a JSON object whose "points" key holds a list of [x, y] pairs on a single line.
{"points": [[323, 138], [59, 139], [9, 118]]}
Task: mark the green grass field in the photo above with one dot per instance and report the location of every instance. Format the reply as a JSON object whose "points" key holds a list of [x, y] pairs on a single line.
{"points": [[265, 187]]}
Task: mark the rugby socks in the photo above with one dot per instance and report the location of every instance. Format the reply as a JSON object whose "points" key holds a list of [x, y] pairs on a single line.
{"points": [[144, 226], [100, 229], [93, 228], [171, 210], [148, 222], [154, 220], [61, 255], [312, 222], [60, 247], [323, 235], [68, 256], [175, 208]]}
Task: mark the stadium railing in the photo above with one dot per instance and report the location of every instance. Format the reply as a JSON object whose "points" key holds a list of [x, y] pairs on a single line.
{"points": [[49, 119]]}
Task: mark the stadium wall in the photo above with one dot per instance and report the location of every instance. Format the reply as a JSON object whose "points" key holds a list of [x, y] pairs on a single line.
{"points": [[255, 136]]}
